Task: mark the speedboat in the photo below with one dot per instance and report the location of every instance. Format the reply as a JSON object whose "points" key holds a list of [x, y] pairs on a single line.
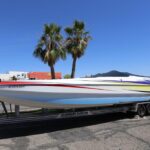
{"points": [[75, 93]]}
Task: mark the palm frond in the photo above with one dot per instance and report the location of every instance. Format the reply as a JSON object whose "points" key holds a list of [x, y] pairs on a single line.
{"points": [[69, 31], [78, 25]]}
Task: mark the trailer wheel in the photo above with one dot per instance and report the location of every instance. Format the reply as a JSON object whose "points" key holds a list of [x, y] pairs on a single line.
{"points": [[148, 108], [141, 110]]}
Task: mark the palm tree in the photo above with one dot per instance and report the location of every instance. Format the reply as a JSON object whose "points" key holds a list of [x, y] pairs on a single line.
{"points": [[50, 46], [76, 42]]}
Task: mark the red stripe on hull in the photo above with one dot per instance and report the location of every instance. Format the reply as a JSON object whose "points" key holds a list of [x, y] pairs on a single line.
{"points": [[39, 84]]}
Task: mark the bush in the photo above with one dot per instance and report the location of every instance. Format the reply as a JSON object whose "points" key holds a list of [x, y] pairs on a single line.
{"points": [[67, 76]]}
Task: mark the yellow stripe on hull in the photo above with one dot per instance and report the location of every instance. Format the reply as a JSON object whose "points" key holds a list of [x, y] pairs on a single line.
{"points": [[144, 88]]}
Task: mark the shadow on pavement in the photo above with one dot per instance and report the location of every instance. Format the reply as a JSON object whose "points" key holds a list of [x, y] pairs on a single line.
{"points": [[39, 127]]}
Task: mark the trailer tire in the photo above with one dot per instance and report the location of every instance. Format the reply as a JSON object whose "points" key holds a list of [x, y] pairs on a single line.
{"points": [[148, 108], [141, 110]]}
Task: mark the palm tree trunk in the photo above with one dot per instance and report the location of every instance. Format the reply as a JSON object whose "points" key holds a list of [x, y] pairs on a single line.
{"points": [[73, 67], [52, 71]]}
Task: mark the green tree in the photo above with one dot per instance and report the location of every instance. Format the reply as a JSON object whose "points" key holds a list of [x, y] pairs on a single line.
{"points": [[13, 78], [76, 42], [67, 76], [50, 46]]}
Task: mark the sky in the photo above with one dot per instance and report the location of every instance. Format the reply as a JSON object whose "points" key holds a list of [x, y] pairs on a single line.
{"points": [[120, 31]]}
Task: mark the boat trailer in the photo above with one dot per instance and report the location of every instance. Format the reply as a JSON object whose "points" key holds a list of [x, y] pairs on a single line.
{"points": [[139, 108]]}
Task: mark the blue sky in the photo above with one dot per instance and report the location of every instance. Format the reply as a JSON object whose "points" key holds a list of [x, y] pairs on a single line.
{"points": [[120, 31]]}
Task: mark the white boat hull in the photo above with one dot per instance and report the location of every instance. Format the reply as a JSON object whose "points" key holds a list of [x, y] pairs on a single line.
{"points": [[74, 93]]}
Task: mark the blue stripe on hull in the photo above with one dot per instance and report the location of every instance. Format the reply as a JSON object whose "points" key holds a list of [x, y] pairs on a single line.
{"points": [[99, 101]]}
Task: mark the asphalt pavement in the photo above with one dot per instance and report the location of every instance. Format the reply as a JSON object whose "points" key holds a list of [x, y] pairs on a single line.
{"points": [[101, 132]]}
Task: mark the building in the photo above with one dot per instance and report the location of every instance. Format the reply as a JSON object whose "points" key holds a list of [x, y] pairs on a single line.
{"points": [[19, 75], [4, 77], [43, 75]]}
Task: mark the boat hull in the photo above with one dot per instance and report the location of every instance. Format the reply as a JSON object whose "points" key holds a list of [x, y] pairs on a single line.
{"points": [[73, 93]]}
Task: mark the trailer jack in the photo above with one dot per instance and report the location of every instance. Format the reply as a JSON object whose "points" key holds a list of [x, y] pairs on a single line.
{"points": [[4, 107]]}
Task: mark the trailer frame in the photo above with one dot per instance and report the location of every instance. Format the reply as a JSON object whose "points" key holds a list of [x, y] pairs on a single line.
{"points": [[80, 112]]}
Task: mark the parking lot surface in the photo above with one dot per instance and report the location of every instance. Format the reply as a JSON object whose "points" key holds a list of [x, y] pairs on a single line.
{"points": [[103, 132]]}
